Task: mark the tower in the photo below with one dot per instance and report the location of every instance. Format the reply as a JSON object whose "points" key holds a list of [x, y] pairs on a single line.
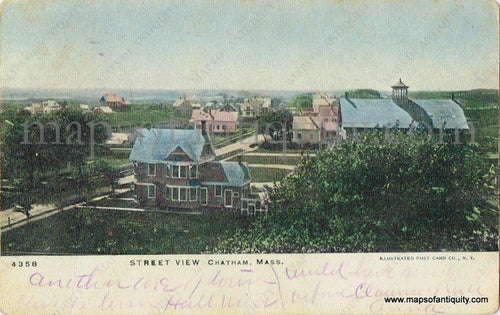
{"points": [[400, 91]]}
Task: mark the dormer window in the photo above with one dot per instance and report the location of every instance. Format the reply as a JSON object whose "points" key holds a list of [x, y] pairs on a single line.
{"points": [[151, 169], [183, 171], [176, 171], [179, 171]]}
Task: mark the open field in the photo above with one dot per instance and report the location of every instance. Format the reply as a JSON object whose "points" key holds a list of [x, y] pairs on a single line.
{"points": [[89, 231], [137, 116]]}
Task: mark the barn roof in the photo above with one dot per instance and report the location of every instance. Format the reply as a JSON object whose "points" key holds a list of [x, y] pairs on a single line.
{"points": [[444, 113], [373, 113]]}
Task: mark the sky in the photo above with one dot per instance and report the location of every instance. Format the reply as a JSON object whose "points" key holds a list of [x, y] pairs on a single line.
{"points": [[249, 45]]}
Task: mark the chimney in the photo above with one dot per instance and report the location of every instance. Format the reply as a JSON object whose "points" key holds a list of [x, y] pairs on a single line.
{"points": [[239, 159]]}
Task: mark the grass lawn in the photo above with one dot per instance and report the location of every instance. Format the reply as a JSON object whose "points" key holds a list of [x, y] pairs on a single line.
{"points": [[261, 174], [265, 150], [118, 162], [138, 115], [288, 160], [90, 232]]}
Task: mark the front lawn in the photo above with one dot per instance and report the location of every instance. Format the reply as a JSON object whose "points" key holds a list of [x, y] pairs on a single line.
{"points": [[262, 175], [280, 159], [90, 232]]}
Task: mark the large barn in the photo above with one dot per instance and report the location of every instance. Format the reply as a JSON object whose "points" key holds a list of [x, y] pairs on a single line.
{"points": [[401, 112]]}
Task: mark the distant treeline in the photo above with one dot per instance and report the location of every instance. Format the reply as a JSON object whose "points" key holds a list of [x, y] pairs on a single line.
{"points": [[484, 95]]}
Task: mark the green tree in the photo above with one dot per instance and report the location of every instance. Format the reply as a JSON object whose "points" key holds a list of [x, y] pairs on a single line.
{"points": [[69, 137], [302, 102], [378, 194], [363, 93], [274, 122]]}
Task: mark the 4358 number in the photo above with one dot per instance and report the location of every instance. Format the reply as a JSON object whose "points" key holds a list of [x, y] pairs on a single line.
{"points": [[24, 264]]}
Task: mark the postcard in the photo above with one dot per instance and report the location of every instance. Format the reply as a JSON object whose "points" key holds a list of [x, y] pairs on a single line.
{"points": [[249, 157]]}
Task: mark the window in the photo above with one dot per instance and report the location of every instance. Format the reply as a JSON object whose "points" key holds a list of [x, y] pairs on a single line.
{"points": [[179, 171], [218, 127], [251, 209], [218, 191], [184, 169], [179, 193], [228, 198], [193, 194], [193, 172], [236, 194], [151, 169], [326, 119], [167, 192], [151, 191], [175, 193], [175, 171], [204, 196], [183, 193], [299, 135], [244, 204]]}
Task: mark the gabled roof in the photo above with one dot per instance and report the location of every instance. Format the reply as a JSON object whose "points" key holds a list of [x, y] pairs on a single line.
{"points": [[373, 113], [156, 145], [224, 173], [444, 113], [112, 98], [304, 123]]}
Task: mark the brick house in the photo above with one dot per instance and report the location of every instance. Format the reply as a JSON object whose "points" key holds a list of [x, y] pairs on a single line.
{"points": [[175, 169]]}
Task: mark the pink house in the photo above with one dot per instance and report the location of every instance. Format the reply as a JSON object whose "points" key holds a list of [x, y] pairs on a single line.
{"points": [[327, 118], [218, 121]]}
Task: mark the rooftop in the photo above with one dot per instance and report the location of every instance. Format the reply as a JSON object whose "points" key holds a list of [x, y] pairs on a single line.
{"points": [[156, 145], [225, 173], [373, 113], [400, 84], [304, 123], [444, 113], [112, 98]]}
